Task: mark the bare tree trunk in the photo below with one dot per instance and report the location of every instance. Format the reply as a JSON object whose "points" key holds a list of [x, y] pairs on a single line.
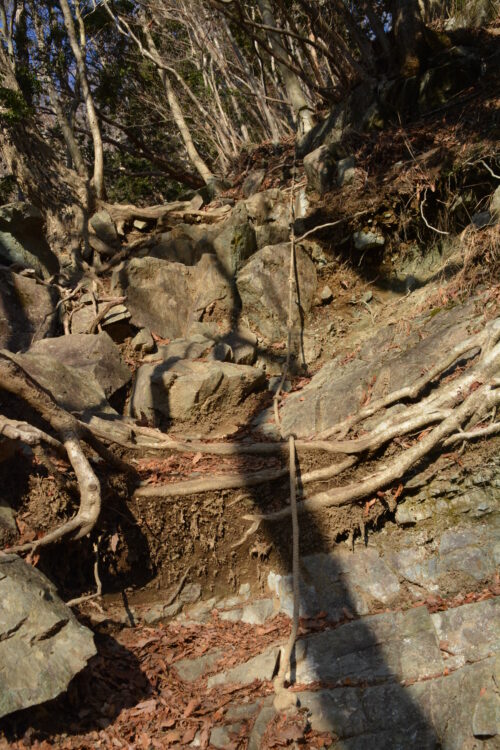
{"points": [[98, 179], [60, 193], [176, 109], [408, 34], [66, 129], [300, 106]]}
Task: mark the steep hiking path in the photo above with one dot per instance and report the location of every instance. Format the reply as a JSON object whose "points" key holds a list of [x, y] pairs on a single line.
{"points": [[157, 433]]}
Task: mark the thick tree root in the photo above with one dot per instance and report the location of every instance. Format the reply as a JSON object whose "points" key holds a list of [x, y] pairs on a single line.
{"points": [[483, 396], [16, 381], [238, 481]]}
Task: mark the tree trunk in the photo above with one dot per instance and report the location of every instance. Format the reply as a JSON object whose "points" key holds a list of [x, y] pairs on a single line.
{"points": [[98, 179], [176, 109], [407, 26], [60, 193], [66, 129], [302, 113]]}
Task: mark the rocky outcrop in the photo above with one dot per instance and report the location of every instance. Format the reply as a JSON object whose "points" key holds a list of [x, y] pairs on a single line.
{"points": [[92, 354], [184, 389], [263, 288], [42, 645], [77, 392], [22, 239], [27, 311], [339, 387], [166, 297]]}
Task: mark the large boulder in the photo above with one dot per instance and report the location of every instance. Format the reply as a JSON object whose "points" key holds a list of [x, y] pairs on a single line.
{"points": [[42, 644], [263, 288], [104, 227], [95, 354], [22, 239], [168, 297], [339, 388], [185, 243], [234, 245], [27, 311], [157, 294], [183, 389], [269, 213], [74, 390], [319, 167]]}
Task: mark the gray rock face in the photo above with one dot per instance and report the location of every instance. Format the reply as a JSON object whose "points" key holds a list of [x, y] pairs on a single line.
{"points": [[104, 227], [185, 243], [234, 245], [263, 288], [183, 389], [42, 645], [365, 240], [95, 354], [319, 168], [168, 297], [346, 171], [253, 182], [269, 213], [75, 391], [22, 239], [336, 390], [27, 311]]}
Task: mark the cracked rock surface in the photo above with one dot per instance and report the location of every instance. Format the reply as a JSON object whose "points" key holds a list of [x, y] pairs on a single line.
{"points": [[42, 645]]}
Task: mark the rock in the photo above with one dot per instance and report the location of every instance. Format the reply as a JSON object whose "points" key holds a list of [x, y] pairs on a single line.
{"points": [[184, 389], [470, 631], [253, 182], [269, 213], [190, 593], [326, 295], [481, 219], [256, 613], [486, 718], [495, 204], [346, 171], [263, 288], [8, 526], [147, 279], [183, 293], [195, 347], [83, 318], [191, 669], [234, 245], [221, 353], [22, 239], [319, 166], [104, 227], [42, 645], [143, 341], [266, 715], [367, 240], [185, 243], [140, 225], [93, 354], [220, 737], [75, 391], [336, 390], [243, 345], [161, 612], [27, 311]]}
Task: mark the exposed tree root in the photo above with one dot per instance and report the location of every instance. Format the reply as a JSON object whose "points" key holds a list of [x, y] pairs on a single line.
{"points": [[237, 481], [484, 396], [477, 341], [16, 381]]}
